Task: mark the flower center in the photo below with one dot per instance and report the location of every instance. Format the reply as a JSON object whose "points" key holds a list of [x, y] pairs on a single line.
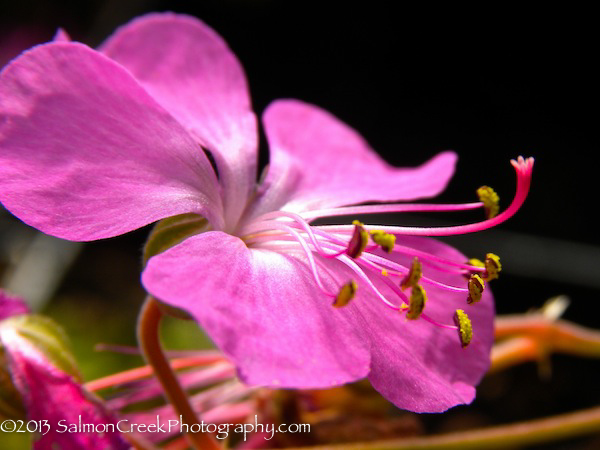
{"points": [[374, 258]]}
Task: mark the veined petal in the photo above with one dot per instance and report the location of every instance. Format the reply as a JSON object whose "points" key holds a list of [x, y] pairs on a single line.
{"points": [[86, 153], [54, 400], [317, 161], [262, 309], [192, 73], [416, 365]]}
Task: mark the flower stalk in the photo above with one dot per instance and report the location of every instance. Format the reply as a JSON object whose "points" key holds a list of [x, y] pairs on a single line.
{"points": [[149, 340]]}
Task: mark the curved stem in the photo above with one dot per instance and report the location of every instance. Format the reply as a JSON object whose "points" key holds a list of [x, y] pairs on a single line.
{"points": [[149, 340]]}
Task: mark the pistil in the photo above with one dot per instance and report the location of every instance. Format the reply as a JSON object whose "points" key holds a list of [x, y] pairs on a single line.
{"points": [[370, 252]]}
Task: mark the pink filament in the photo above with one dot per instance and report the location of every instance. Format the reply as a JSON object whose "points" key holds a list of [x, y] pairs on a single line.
{"points": [[388, 208], [523, 168], [332, 241]]}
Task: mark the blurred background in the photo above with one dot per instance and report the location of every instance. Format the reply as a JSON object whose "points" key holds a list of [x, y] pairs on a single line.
{"points": [[490, 84]]}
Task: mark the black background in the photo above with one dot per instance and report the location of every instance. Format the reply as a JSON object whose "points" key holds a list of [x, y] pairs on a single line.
{"points": [[490, 83]]}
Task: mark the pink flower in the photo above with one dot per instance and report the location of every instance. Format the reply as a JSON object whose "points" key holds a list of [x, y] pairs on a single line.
{"points": [[45, 384], [98, 143]]}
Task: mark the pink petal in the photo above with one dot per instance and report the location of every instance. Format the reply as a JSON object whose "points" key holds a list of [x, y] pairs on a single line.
{"points": [[193, 74], [317, 161], [263, 311], [52, 397], [423, 368], [86, 153]]}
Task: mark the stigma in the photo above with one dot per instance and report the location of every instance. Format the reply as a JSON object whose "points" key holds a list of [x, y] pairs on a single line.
{"points": [[376, 259]]}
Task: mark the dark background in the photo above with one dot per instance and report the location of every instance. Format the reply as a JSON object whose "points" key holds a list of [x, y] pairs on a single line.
{"points": [[490, 84]]}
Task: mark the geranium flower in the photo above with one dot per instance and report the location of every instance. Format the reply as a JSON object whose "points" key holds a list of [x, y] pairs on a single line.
{"points": [[41, 383], [98, 143]]}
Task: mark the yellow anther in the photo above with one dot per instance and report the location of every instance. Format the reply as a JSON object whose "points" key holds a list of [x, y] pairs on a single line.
{"points": [[358, 241], [384, 272], [490, 201], [413, 276], [346, 294], [492, 267], [476, 286], [416, 305], [465, 329], [383, 239]]}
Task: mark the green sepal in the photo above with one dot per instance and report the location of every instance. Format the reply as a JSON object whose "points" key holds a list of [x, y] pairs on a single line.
{"points": [[46, 336], [171, 231], [168, 233]]}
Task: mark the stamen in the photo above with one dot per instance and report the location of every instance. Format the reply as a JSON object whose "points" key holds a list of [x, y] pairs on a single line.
{"points": [[389, 208], [350, 246], [430, 260], [476, 287], [309, 256], [359, 240], [413, 276], [491, 201], [465, 329], [523, 168], [403, 307], [380, 264], [385, 240], [363, 276], [418, 298], [268, 224], [492, 267], [346, 294]]}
